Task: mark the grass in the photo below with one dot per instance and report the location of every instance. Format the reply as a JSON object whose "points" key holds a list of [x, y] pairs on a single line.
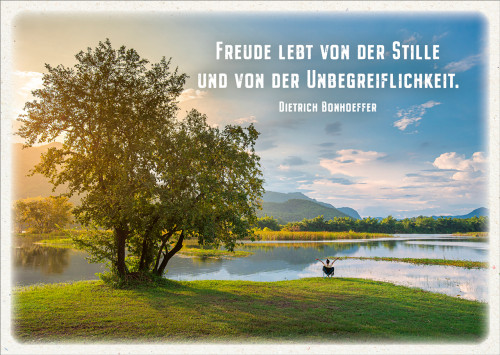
{"points": [[213, 253], [56, 241], [286, 235], [314, 309], [459, 263], [472, 234]]}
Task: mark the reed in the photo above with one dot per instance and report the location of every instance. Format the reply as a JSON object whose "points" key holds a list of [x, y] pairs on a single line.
{"points": [[288, 235]]}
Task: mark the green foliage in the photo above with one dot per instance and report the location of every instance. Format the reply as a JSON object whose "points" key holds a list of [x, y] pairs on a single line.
{"points": [[98, 243], [42, 214], [152, 179], [270, 223], [443, 225]]}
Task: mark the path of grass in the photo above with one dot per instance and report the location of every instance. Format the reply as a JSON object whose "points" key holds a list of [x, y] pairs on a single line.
{"points": [[315, 309], [459, 263]]}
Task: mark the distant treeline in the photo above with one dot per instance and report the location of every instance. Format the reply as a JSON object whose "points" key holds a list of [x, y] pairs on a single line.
{"points": [[424, 225]]}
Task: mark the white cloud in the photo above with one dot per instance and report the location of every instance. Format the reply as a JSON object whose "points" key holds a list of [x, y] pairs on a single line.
{"points": [[412, 114], [243, 120], [382, 186], [436, 38], [413, 39], [467, 169], [349, 161], [192, 94], [27, 81], [464, 64]]}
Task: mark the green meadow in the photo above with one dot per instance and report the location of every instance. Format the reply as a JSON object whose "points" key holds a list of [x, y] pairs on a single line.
{"points": [[315, 309]]}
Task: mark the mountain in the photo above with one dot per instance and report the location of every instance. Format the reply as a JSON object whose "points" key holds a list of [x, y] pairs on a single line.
{"points": [[24, 186], [297, 209], [478, 212], [350, 212], [279, 197]]}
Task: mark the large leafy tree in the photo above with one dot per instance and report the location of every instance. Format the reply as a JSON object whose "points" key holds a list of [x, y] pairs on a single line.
{"points": [[150, 178]]}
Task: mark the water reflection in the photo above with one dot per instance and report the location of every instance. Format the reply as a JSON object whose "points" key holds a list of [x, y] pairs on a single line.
{"points": [[453, 281], [37, 263], [48, 260], [275, 261]]}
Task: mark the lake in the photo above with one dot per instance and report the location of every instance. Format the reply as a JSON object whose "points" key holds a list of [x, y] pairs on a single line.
{"points": [[275, 261]]}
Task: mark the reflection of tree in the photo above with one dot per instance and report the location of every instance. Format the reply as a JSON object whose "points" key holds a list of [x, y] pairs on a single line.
{"points": [[48, 260]]}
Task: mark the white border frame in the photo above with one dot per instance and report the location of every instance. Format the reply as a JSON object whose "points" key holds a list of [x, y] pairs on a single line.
{"points": [[490, 11]]}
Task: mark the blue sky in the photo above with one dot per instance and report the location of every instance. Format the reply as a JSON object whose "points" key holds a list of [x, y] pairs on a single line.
{"points": [[422, 152]]}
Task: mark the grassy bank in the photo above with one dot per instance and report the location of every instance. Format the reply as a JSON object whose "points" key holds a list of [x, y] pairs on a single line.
{"points": [[286, 235], [459, 263], [473, 234], [315, 309], [213, 253]]}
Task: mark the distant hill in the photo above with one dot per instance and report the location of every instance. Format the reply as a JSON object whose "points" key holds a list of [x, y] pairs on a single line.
{"points": [[350, 212], [478, 212], [279, 197], [297, 209], [23, 186]]}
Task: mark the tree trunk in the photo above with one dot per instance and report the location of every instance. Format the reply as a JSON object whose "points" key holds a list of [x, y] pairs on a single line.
{"points": [[145, 260], [163, 243], [168, 256], [120, 237]]}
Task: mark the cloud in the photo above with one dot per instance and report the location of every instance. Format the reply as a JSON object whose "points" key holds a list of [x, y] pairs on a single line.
{"points": [[342, 181], [294, 160], [436, 38], [346, 159], [27, 81], [373, 184], [334, 128], [192, 94], [412, 115], [464, 169], [464, 64], [326, 145], [413, 39], [243, 120]]}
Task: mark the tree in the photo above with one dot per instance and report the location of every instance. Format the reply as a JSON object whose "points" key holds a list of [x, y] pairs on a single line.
{"points": [[388, 225], [150, 178], [42, 215], [268, 222]]}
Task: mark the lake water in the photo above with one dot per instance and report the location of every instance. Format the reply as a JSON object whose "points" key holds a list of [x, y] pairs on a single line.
{"points": [[274, 261]]}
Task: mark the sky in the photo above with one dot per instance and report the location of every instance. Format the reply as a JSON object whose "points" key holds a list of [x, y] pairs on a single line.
{"points": [[423, 152]]}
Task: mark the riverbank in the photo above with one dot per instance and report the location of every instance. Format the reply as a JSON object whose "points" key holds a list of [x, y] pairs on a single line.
{"points": [[458, 263], [473, 234], [314, 309]]}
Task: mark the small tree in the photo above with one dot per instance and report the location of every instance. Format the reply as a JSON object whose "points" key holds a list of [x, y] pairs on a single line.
{"points": [[42, 215], [268, 222]]}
